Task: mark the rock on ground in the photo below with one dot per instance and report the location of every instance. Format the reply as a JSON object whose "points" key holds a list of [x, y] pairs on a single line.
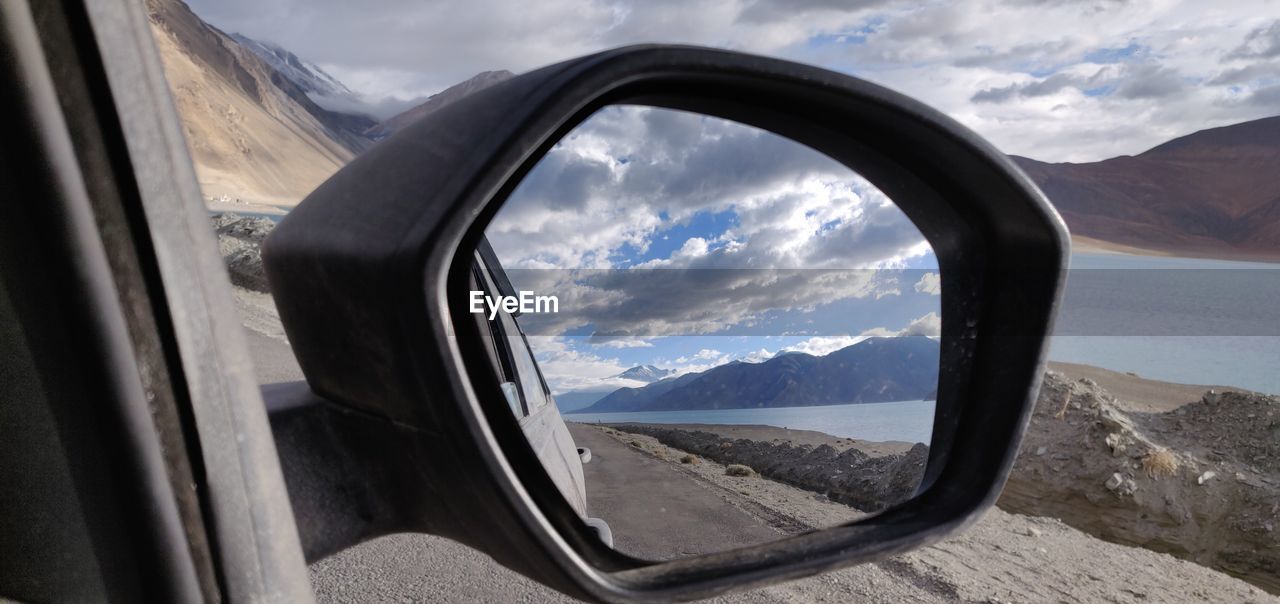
{"points": [[239, 241]]}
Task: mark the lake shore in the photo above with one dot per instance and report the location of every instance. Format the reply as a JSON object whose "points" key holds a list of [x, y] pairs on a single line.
{"points": [[1089, 245], [799, 438]]}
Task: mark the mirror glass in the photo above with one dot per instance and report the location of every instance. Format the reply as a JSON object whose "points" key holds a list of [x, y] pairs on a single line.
{"points": [[712, 335]]}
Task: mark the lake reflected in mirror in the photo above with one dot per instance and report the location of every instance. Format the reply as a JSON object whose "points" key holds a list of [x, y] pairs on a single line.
{"points": [[743, 343]]}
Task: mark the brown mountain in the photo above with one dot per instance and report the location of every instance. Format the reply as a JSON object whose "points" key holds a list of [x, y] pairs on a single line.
{"points": [[253, 130], [479, 82], [252, 133], [1211, 193]]}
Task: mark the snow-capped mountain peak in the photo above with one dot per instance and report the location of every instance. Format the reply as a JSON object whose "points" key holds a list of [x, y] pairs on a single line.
{"points": [[645, 373], [308, 76]]}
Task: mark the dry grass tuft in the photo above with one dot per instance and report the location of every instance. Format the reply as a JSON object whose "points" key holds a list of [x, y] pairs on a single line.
{"points": [[738, 469], [1160, 462], [689, 459]]}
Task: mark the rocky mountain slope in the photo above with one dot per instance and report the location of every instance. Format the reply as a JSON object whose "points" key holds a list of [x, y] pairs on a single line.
{"points": [[873, 370], [252, 133], [249, 110], [315, 91], [306, 75], [1215, 192]]}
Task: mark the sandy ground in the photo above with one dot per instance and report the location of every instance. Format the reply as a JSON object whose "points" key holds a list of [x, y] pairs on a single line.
{"points": [[1136, 393], [1089, 245]]}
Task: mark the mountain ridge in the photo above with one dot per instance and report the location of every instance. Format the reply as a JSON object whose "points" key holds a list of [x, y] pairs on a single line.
{"points": [[255, 133], [251, 133], [874, 370], [1214, 192]]}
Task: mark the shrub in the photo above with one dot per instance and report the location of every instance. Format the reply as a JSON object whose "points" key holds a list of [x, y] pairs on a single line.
{"points": [[689, 459], [738, 469], [1160, 462]]}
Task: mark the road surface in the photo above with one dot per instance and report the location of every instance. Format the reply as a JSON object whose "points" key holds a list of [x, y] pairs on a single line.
{"points": [[657, 512]]}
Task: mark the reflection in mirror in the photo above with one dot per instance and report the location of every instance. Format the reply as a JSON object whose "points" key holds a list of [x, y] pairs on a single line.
{"points": [[738, 333]]}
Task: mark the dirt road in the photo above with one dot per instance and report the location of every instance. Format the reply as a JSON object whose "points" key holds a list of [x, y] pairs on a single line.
{"points": [[657, 512]]}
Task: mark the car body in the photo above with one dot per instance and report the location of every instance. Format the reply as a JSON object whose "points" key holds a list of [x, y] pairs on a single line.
{"points": [[526, 390]]}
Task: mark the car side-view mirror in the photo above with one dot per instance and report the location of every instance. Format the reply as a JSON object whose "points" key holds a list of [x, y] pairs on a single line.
{"points": [[414, 288]]}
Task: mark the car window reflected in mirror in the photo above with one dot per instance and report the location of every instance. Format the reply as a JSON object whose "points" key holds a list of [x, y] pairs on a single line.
{"points": [[739, 333]]}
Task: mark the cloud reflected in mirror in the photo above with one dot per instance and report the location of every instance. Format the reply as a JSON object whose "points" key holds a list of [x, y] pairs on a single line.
{"points": [[745, 332]]}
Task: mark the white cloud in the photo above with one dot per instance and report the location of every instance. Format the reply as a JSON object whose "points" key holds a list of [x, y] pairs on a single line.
{"points": [[621, 342], [823, 345], [796, 229], [927, 325], [705, 354], [758, 356], [567, 369], [619, 180], [929, 283]]}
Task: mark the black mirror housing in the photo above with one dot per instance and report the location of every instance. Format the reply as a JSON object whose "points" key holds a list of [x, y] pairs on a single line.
{"points": [[364, 269]]}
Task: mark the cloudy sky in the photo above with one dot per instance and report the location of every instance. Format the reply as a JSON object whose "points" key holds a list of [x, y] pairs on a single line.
{"points": [[685, 242], [1057, 80]]}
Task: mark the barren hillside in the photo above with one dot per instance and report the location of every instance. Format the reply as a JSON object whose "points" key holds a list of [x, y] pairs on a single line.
{"points": [[1215, 192], [248, 137]]}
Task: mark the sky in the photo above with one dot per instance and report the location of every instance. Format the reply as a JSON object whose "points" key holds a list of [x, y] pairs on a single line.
{"points": [[776, 247], [685, 242], [1056, 80]]}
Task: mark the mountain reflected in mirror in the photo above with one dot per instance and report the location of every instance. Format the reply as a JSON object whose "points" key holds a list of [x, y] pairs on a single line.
{"points": [[745, 335]]}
